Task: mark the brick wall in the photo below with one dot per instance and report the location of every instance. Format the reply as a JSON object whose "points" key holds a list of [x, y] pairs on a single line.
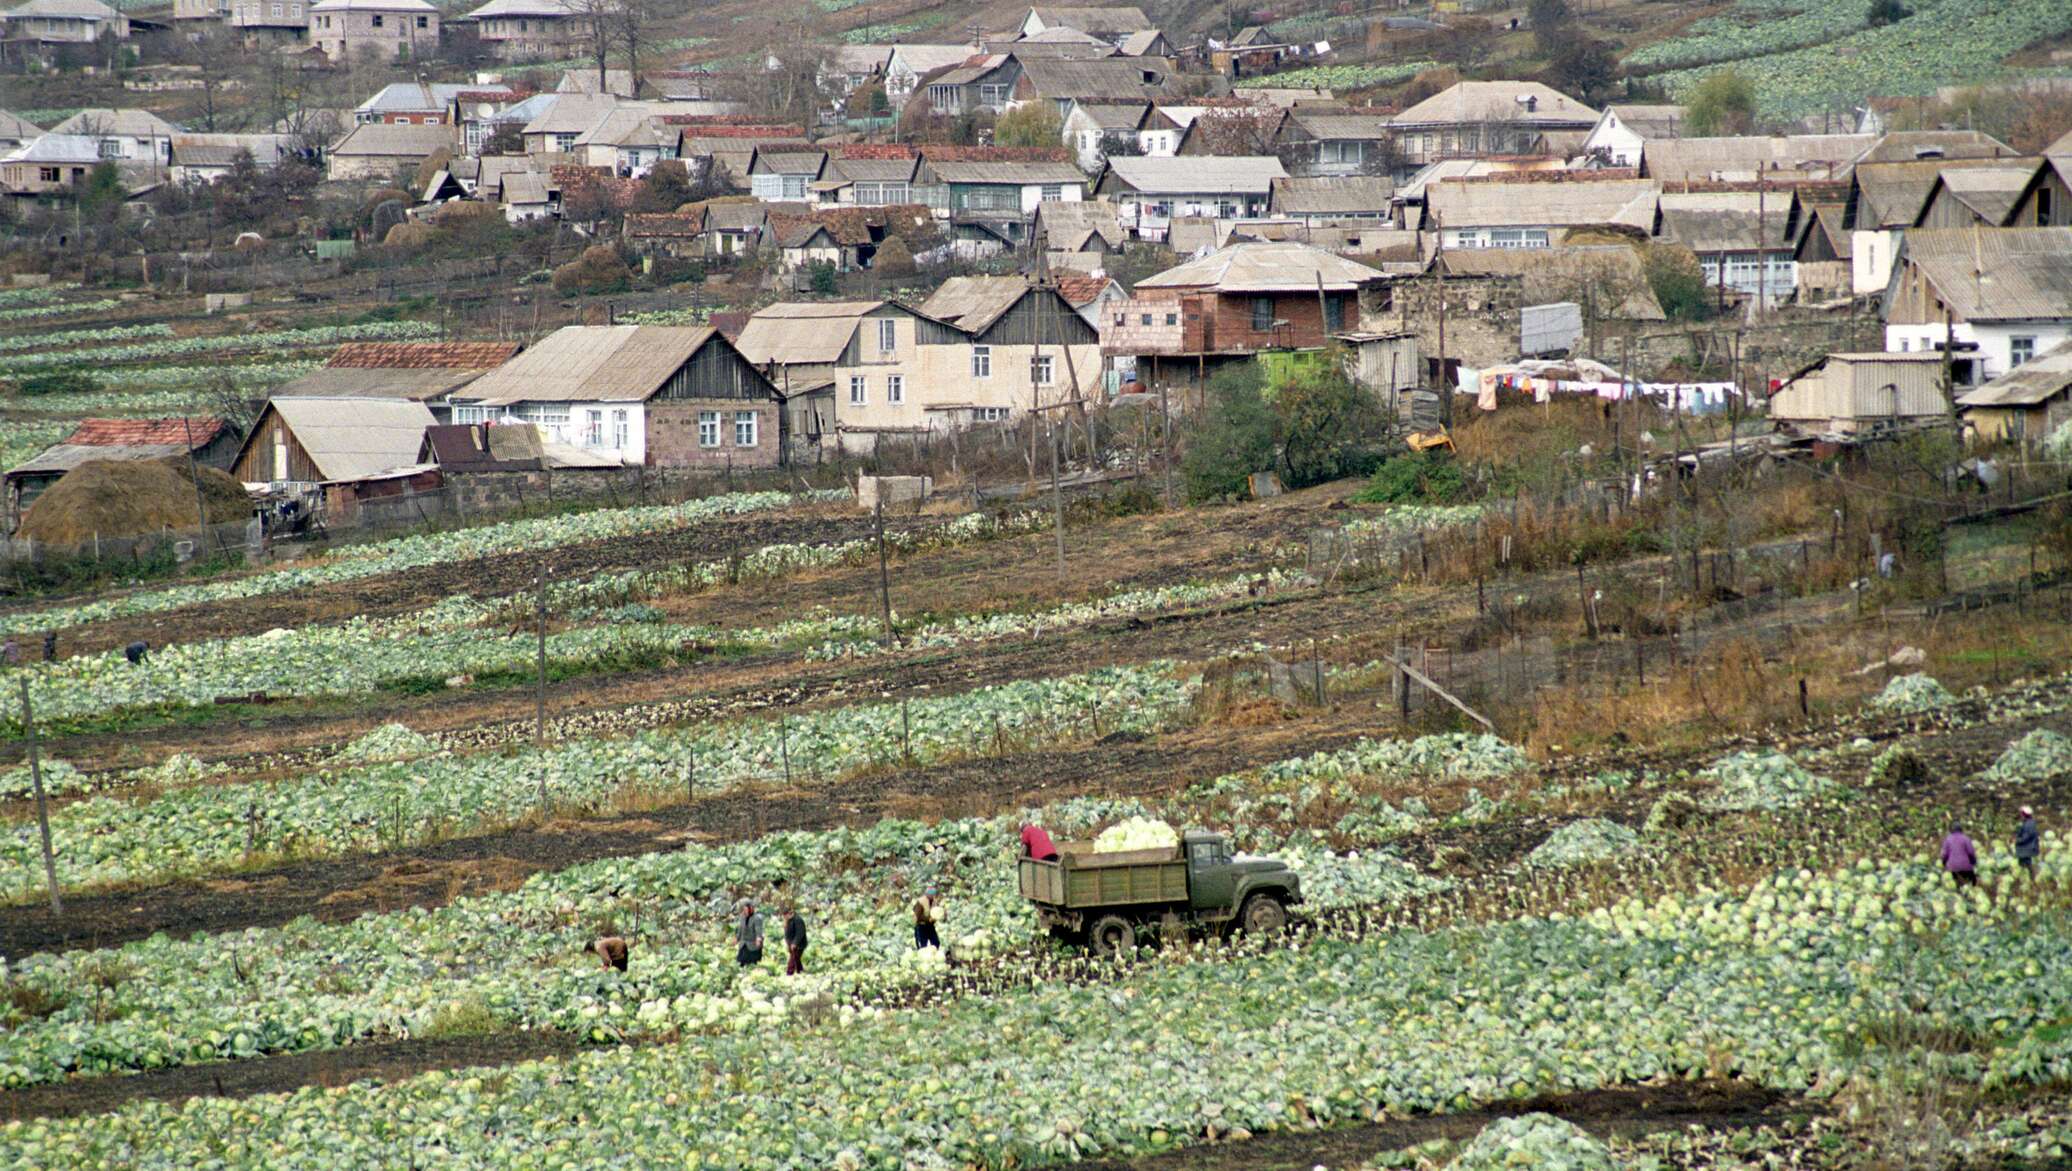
{"points": [[672, 434], [1215, 323]]}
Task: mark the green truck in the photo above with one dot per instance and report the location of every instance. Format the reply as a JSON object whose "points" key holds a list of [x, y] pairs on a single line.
{"points": [[1106, 901]]}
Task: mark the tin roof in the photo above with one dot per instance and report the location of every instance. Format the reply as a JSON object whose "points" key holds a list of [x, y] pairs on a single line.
{"points": [[1327, 196], [801, 332], [972, 303], [386, 139], [1996, 274], [1020, 174], [355, 438], [1723, 221], [1497, 101], [1778, 157], [2035, 381], [1989, 192], [1197, 176], [1274, 267], [593, 363], [1483, 203]]}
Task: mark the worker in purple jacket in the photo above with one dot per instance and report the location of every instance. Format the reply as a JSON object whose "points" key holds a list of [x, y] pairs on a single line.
{"points": [[1959, 857]]}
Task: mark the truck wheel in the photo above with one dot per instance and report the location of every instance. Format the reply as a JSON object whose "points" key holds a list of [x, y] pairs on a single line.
{"points": [[1111, 935], [1263, 915]]}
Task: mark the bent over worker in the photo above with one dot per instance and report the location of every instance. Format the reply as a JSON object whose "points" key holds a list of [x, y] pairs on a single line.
{"points": [[1037, 844]]}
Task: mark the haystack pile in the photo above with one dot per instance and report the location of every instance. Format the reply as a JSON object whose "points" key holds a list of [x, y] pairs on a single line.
{"points": [[122, 498]]}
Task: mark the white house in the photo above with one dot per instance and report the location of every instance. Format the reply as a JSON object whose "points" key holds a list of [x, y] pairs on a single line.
{"points": [[908, 64], [65, 22], [2002, 295], [1092, 129], [1028, 348], [1151, 192], [1622, 132], [124, 136]]}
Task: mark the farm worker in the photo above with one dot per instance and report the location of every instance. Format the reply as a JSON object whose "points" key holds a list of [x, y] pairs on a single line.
{"points": [[1959, 857], [794, 942], [1037, 844], [2027, 843], [611, 951], [136, 651], [748, 934], [927, 913]]}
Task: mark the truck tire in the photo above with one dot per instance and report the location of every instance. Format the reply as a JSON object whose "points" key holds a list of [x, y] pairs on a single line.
{"points": [[1111, 935], [1263, 915]]}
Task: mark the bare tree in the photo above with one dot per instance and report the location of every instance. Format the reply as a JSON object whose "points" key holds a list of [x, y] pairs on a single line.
{"points": [[601, 26]]}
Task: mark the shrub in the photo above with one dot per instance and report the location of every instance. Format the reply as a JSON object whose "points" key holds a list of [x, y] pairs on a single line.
{"points": [[1722, 104], [1233, 438], [1418, 477], [597, 270], [1329, 428], [1678, 282], [822, 276], [57, 382]]}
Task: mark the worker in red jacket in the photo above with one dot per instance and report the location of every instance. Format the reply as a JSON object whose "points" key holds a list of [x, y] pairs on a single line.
{"points": [[1037, 844]]}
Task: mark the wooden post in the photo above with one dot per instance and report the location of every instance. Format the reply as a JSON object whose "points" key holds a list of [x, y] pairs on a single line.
{"points": [[50, 866], [1057, 500], [784, 746], [1165, 418], [690, 776], [539, 715], [906, 733], [884, 577]]}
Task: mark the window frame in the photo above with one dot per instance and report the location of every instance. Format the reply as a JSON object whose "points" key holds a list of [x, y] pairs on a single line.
{"points": [[859, 390], [709, 429], [895, 389], [981, 361], [1043, 369], [888, 336], [1262, 314], [747, 423], [2021, 348]]}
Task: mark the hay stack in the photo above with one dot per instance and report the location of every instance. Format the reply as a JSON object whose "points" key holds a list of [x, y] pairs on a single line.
{"points": [[121, 498]]}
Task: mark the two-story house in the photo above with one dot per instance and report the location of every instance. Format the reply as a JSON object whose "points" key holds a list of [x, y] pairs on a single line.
{"points": [[420, 103], [1002, 196], [1095, 130], [1624, 130], [1150, 193], [906, 65], [984, 82], [1476, 119], [854, 366], [65, 22], [270, 24], [386, 30], [124, 136], [524, 30], [1333, 143], [1028, 348]]}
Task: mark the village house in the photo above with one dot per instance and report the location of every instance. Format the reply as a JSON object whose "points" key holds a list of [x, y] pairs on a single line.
{"points": [[524, 196], [1998, 297], [2044, 202], [270, 24], [1180, 325], [1776, 159], [380, 151], [734, 229], [1498, 212], [208, 440], [16, 132], [1331, 143], [1740, 238], [642, 395], [420, 103], [1004, 194], [984, 82], [65, 22], [1984, 196], [1090, 294], [191, 10], [205, 158], [724, 152], [1820, 245], [1027, 349], [859, 362], [525, 30], [481, 115], [679, 235], [1885, 198], [124, 136], [869, 176], [1851, 393], [848, 68], [1472, 119], [628, 141], [387, 30], [564, 119], [2024, 405], [906, 65], [50, 165], [420, 372], [1087, 225], [1113, 25], [1334, 200], [1095, 130], [785, 174], [1624, 130], [1064, 83], [331, 454], [1149, 193]]}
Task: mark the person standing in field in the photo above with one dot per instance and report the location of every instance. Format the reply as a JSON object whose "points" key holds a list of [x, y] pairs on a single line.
{"points": [[1960, 857], [927, 913], [748, 934], [2028, 843], [794, 942]]}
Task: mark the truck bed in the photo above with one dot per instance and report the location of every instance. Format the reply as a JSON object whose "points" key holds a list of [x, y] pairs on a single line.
{"points": [[1082, 878]]}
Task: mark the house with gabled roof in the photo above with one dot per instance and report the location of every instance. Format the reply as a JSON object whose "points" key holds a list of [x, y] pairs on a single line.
{"points": [[65, 22], [1517, 211], [982, 82], [1321, 198], [2045, 201], [562, 119], [1997, 296], [16, 132], [1109, 24], [392, 30], [1975, 195], [1028, 348], [642, 395], [1149, 193], [854, 367], [521, 30], [1087, 225], [423, 372], [2025, 405], [1777, 159], [378, 150], [1474, 119], [906, 65], [1332, 142], [1739, 237], [1624, 129], [124, 135], [785, 174], [1094, 130]]}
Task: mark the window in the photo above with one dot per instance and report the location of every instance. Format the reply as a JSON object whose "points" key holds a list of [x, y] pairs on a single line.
{"points": [[2020, 350], [708, 428], [744, 428], [1051, 192], [111, 148], [859, 390], [895, 388], [48, 174], [794, 186], [377, 20], [276, 12], [888, 336], [988, 414], [1172, 319], [981, 361], [619, 435], [1262, 313], [1334, 313], [593, 429], [2043, 206], [993, 95], [422, 22], [1041, 369], [1145, 317], [564, 142]]}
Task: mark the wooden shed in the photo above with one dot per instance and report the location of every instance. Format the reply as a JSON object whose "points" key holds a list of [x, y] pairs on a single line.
{"points": [[2025, 404], [1851, 393], [331, 440]]}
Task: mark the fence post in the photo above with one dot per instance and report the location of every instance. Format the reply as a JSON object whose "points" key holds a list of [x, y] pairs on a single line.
{"points": [[50, 867]]}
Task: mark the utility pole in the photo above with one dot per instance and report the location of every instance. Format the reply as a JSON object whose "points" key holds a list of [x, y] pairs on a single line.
{"points": [[1762, 244], [1439, 270], [1057, 499], [50, 866]]}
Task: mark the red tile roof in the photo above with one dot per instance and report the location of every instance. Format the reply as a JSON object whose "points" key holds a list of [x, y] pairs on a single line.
{"points": [[144, 432], [666, 224], [876, 150], [996, 154], [697, 126], [1078, 288], [423, 355]]}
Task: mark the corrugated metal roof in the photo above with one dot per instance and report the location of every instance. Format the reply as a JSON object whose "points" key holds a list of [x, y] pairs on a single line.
{"points": [[1014, 174], [875, 170], [414, 96], [571, 113], [57, 148], [2035, 381], [1488, 204], [387, 139], [1342, 126], [593, 363], [629, 124], [1108, 77], [355, 438], [805, 162], [63, 457], [1497, 101], [1780, 157], [130, 123], [1327, 196], [924, 58], [1908, 145], [801, 332], [1891, 195], [1724, 221], [1198, 176], [421, 385], [1276, 267], [1113, 115], [1990, 192], [971, 303], [1996, 274]]}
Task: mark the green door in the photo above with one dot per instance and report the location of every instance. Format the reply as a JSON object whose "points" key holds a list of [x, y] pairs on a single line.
{"points": [[1210, 882]]}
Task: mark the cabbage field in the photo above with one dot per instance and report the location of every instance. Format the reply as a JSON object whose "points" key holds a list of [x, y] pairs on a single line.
{"points": [[350, 924]]}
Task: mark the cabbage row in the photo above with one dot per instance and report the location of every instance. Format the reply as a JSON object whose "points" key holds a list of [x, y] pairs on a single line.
{"points": [[1745, 33], [171, 347], [63, 309], [73, 337], [416, 552], [1785, 985], [520, 955], [34, 294], [209, 828], [1945, 42], [1338, 77]]}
